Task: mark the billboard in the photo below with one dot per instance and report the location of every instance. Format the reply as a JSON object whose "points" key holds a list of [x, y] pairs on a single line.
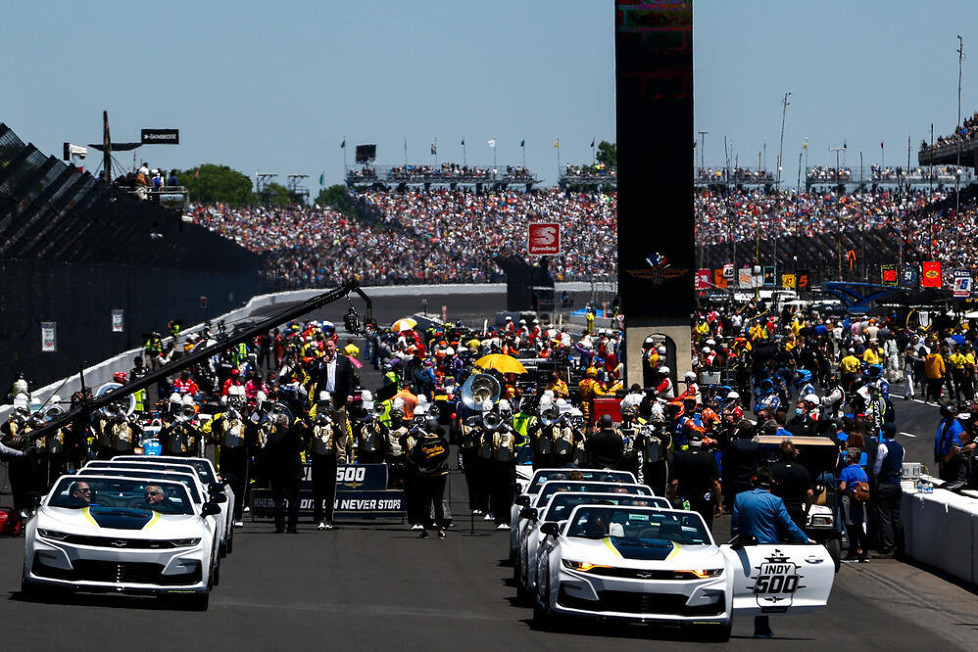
{"points": [[654, 84], [366, 153], [160, 137], [543, 239]]}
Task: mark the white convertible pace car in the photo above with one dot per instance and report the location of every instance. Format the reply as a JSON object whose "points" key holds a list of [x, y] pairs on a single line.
{"points": [[657, 565], [118, 534]]}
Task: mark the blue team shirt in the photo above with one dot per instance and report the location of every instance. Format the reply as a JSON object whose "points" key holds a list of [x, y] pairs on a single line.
{"points": [[761, 514], [942, 446], [852, 473]]}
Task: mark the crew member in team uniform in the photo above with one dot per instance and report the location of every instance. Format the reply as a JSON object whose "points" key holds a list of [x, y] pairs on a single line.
{"points": [[234, 436], [605, 448], [760, 516], [469, 443], [370, 433], [283, 463], [180, 436], [327, 446], [429, 460], [13, 446], [116, 434], [502, 442]]}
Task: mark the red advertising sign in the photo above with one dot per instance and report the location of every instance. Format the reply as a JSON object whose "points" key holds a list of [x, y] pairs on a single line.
{"points": [[931, 278], [703, 279], [543, 239]]}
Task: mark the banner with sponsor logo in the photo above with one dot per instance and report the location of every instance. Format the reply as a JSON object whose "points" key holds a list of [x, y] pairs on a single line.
{"points": [[703, 278], [118, 322], [909, 276], [160, 137], [720, 279], [361, 490], [889, 276], [49, 336], [931, 274], [744, 278], [543, 239], [962, 284], [802, 279]]}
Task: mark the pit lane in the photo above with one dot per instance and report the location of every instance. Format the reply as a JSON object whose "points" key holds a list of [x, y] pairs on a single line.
{"points": [[376, 586]]}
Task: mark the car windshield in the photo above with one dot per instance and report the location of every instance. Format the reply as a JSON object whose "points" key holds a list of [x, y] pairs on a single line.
{"points": [[151, 465], [562, 504], [639, 527], [595, 475], [184, 479], [79, 492], [551, 488], [202, 467]]}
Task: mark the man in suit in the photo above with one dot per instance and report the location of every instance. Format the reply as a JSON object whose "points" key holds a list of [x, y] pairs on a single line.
{"points": [[337, 379]]}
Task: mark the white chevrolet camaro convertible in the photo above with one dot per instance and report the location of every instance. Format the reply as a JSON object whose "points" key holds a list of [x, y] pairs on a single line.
{"points": [[662, 566], [118, 534]]}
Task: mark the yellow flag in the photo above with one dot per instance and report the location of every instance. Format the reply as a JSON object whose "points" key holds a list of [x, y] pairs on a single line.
{"points": [[557, 143]]}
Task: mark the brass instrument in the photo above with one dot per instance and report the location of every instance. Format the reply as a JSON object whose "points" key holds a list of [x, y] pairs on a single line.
{"points": [[479, 389]]}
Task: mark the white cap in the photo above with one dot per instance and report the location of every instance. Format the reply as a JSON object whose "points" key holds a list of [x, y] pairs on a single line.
{"points": [[811, 398], [690, 376], [663, 370], [733, 396]]}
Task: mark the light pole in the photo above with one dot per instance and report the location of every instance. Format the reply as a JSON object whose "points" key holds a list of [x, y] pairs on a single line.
{"points": [[784, 113], [957, 172], [838, 211], [702, 149]]}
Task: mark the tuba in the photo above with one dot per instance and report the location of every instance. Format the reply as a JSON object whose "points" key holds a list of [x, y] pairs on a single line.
{"points": [[478, 389], [121, 408], [551, 416], [492, 421]]}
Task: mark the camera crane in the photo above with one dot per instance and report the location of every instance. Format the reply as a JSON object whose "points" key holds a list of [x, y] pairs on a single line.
{"points": [[351, 321]]}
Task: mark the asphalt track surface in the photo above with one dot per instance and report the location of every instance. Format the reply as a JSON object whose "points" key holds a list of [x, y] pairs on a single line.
{"points": [[374, 585]]}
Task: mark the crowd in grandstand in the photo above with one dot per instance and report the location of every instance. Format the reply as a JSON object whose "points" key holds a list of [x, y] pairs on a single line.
{"points": [[737, 175], [597, 171], [443, 236], [453, 235], [823, 173]]}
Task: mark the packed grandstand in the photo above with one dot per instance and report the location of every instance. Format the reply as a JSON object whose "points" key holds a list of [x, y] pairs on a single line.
{"points": [[444, 235]]}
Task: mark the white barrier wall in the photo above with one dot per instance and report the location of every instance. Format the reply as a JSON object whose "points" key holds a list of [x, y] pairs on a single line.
{"points": [[941, 530]]}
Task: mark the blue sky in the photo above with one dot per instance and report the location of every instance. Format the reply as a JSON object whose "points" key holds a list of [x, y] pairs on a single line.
{"points": [[277, 86]]}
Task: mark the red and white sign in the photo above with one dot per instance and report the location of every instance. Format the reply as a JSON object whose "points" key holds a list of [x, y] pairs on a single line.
{"points": [[543, 239]]}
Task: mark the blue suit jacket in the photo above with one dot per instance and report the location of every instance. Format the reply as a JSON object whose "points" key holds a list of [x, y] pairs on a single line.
{"points": [[760, 514]]}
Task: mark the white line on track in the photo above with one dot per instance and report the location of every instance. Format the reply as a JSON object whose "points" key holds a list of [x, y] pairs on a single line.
{"points": [[907, 434]]}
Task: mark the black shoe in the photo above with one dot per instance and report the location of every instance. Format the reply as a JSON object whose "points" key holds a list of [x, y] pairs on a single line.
{"points": [[764, 634], [279, 530], [424, 534], [441, 534], [293, 530]]}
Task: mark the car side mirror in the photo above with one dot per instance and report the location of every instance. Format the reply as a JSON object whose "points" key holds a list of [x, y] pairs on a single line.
{"points": [[210, 509], [523, 500], [218, 497], [528, 513], [550, 529]]}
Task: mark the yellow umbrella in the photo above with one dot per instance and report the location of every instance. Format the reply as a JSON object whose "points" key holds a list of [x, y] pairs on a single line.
{"points": [[403, 324], [504, 364]]}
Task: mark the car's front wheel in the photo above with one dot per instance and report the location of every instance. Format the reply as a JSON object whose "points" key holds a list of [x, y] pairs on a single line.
{"points": [[715, 633], [543, 616], [198, 601]]}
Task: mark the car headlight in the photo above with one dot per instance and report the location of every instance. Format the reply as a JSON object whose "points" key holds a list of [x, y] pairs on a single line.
{"points": [[702, 573], [582, 566], [53, 534], [822, 521], [184, 543]]}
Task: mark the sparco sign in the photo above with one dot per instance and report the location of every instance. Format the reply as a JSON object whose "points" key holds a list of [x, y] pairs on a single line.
{"points": [[543, 239], [160, 137]]}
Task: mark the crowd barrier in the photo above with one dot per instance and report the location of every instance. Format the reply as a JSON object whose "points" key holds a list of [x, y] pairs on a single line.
{"points": [[941, 530]]}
